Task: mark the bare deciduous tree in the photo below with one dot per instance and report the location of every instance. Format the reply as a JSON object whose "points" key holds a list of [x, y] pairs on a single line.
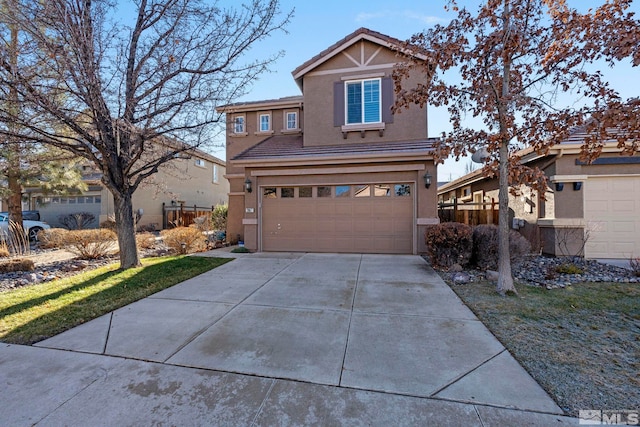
{"points": [[130, 98], [513, 58]]}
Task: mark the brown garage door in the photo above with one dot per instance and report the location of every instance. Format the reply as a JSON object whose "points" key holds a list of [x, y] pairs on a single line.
{"points": [[365, 218]]}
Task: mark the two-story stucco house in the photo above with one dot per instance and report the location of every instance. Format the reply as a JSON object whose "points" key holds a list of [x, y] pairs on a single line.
{"points": [[196, 180], [332, 170]]}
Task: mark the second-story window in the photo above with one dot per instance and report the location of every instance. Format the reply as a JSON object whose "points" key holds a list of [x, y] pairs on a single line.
{"points": [[238, 124], [362, 99], [292, 121], [265, 122], [201, 163]]}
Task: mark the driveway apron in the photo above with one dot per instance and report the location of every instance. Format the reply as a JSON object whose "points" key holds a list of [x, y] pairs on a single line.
{"points": [[307, 338]]}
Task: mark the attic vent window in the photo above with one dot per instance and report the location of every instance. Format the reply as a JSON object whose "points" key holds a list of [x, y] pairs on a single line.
{"points": [[362, 101]]}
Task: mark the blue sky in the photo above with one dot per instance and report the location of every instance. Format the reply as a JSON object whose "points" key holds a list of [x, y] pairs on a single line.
{"points": [[316, 25]]}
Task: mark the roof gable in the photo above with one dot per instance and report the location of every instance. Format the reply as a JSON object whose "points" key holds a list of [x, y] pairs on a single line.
{"points": [[341, 46]]}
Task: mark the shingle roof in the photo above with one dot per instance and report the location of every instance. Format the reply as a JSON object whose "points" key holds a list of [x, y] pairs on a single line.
{"points": [[281, 147]]}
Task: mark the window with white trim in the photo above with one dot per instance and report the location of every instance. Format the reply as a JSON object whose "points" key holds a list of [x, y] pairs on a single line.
{"points": [[200, 162], [238, 124], [215, 174], [292, 120], [264, 122], [363, 101]]}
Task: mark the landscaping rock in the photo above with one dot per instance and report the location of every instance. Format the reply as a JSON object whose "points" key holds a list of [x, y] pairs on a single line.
{"points": [[456, 268], [461, 278], [491, 275]]}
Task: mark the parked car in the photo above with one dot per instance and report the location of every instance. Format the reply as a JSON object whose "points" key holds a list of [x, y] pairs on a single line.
{"points": [[32, 215], [30, 227]]}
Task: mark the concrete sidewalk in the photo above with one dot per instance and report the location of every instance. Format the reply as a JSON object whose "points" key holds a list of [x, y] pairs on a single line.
{"points": [[280, 339]]}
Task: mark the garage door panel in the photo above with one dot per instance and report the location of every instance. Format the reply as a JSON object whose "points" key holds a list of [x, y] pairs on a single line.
{"points": [[344, 224], [612, 212]]}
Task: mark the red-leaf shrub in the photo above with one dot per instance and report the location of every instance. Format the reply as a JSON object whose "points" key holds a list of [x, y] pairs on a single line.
{"points": [[449, 243]]}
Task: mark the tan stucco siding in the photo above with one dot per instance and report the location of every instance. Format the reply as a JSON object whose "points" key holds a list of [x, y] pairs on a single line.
{"points": [[181, 181]]}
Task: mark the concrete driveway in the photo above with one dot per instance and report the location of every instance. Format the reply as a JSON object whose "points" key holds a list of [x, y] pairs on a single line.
{"points": [[279, 339]]}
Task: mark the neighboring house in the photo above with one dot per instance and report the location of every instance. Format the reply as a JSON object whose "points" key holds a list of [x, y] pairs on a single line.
{"points": [[590, 209], [196, 180], [332, 170]]}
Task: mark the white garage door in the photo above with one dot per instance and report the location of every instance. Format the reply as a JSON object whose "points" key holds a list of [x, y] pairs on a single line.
{"points": [[612, 211], [364, 218]]}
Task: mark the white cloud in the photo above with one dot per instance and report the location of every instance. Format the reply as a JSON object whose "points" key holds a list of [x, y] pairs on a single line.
{"points": [[404, 14]]}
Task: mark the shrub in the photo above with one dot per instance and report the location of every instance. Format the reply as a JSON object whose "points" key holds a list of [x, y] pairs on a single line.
{"points": [[634, 263], [17, 264], [52, 238], [240, 250], [203, 223], [449, 243], [109, 224], [569, 268], [4, 249], [90, 244], [191, 237], [77, 221], [485, 246], [145, 240], [219, 217]]}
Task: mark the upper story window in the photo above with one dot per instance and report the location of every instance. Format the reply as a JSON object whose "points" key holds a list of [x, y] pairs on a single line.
{"points": [[292, 120], [238, 124], [264, 122], [200, 162], [216, 172], [363, 101]]}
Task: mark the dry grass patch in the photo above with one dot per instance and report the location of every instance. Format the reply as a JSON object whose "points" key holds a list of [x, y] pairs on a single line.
{"points": [[581, 343]]}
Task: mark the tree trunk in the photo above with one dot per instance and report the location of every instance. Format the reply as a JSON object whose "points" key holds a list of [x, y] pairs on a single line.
{"points": [[125, 228], [505, 278]]}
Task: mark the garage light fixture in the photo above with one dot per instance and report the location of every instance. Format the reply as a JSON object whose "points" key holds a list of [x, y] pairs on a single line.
{"points": [[559, 186], [427, 180], [577, 186], [247, 185]]}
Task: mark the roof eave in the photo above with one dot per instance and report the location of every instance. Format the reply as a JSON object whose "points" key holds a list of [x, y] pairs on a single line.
{"points": [[342, 159], [255, 106]]}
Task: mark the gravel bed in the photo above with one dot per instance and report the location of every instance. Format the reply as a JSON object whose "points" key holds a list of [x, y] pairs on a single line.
{"points": [[543, 271]]}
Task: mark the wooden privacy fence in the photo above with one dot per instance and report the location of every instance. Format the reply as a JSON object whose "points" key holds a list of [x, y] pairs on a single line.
{"points": [[182, 215], [469, 213]]}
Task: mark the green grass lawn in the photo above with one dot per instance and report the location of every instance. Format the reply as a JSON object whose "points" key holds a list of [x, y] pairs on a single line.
{"points": [[581, 343], [33, 313]]}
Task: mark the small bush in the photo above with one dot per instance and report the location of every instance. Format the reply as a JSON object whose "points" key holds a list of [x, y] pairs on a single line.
{"points": [[148, 227], [485, 246], [17, 264], [634, 263], [569, 268], [449, 243], [145, 240], [109, 224], [193, 239], [4, 249], [52, 238], [90, 244], [219, 217], [203, 223], [77, 221], [240, 250]]}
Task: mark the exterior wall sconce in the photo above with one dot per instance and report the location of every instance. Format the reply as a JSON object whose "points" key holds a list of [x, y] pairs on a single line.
{"points": [[559, 186], [577, 186], [247, 185], [427, 180]]}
